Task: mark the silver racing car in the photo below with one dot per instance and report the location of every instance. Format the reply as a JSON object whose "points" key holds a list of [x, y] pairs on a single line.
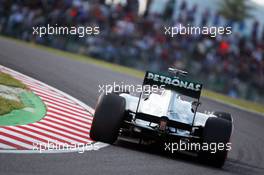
{"points": [[169, 115]]}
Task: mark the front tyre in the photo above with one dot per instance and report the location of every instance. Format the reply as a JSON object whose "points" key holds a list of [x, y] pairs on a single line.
{"points": [[108, 117]]}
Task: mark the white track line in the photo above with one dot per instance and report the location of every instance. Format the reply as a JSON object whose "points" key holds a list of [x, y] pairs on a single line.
{"points": [[6, 146]]}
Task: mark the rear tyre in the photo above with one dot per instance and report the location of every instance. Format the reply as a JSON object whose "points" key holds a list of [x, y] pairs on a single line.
{"points": [[108, 117], [216, 132], [224, 115]]}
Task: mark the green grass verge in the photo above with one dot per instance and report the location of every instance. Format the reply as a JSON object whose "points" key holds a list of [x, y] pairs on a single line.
{"points": [[7, 105], [251, 106], [33, 111], [8, 80]]}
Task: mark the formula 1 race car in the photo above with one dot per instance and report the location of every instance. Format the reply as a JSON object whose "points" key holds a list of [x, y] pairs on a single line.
{"points": [[164, 116]]}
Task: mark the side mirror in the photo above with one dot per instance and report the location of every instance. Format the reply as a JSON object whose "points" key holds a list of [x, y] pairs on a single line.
{"points": [[195, 105], [147, 94]]}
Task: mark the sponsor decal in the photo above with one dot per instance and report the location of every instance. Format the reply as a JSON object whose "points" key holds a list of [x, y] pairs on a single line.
{"points": [[178, 84], [174, 81]]}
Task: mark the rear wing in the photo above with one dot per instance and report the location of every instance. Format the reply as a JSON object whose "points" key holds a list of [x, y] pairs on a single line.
{"points": [[178, 84]]}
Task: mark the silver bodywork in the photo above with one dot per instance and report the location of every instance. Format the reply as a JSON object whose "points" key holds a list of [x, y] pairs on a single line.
{"points": [[169, 104]]}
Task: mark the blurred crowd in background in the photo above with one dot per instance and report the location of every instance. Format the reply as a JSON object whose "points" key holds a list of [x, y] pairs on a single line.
{"points": [[231, 64]]}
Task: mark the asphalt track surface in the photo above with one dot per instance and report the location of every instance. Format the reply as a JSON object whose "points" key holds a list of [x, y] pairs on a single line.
{"points": [[81, 80]]}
